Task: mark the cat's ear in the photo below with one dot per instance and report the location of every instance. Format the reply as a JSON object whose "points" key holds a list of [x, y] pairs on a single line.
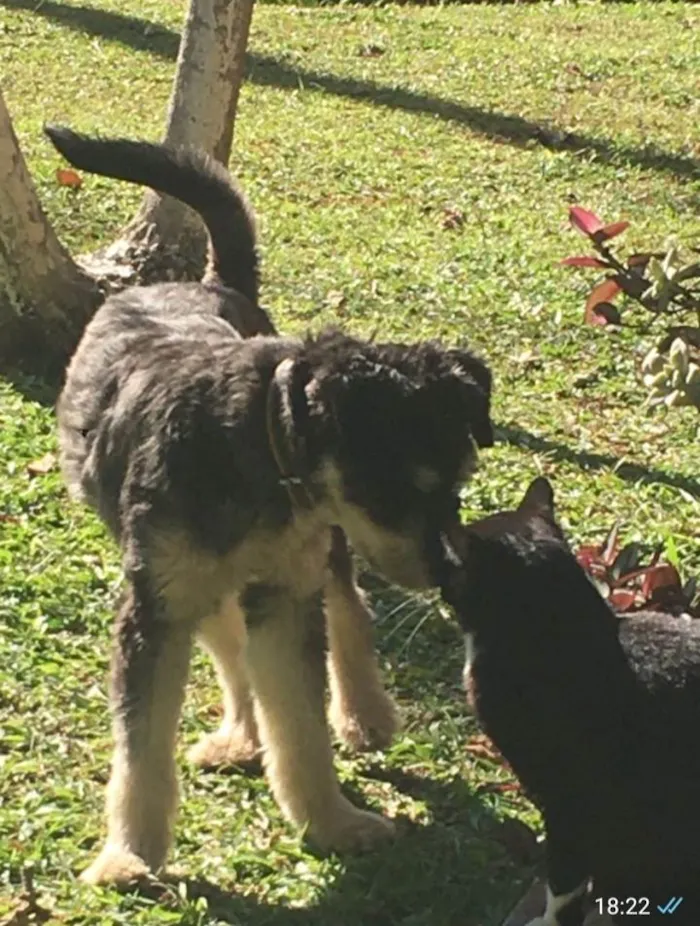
{"points": [[539, 498]]}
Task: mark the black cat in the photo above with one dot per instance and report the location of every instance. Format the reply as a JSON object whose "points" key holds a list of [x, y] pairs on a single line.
{"points": [[598, 715]]}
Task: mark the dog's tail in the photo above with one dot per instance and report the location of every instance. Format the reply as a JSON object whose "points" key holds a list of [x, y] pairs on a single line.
{"points": [[185, 174]]}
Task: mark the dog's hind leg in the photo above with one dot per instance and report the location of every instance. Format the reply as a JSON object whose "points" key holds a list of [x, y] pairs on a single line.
{"points": [[287, 676], [150, 659], [236, 741], [361, 712]]}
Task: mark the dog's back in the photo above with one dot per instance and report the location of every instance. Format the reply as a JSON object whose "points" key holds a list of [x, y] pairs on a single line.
{"points": [[150, 332], [598, 715]]}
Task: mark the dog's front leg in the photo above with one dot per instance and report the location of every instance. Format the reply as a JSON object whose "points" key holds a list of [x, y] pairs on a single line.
{"points": [[361, 712], [150, 660], [288, 681], [236, 741]]}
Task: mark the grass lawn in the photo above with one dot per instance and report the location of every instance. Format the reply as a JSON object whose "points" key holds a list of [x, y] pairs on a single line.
{"points": [[360, 132]]}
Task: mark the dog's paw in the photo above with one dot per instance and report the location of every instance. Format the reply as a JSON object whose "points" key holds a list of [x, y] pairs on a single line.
{"points": [[370, 723], [352, 830], [117, 867], [226, 749]]}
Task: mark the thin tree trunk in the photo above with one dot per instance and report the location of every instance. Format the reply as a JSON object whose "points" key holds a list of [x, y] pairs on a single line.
{"points": [[45, 298], [165, 240]]}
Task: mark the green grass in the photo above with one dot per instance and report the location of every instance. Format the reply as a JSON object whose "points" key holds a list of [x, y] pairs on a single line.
{"points": [[506, 113]]}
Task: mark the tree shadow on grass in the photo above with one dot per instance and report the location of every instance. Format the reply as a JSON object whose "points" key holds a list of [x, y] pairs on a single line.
{"points": [[629, 471], [270, 71], [45, 393]]}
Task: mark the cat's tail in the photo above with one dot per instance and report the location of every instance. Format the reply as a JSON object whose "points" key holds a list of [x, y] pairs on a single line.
{"points": [[186, 174]]}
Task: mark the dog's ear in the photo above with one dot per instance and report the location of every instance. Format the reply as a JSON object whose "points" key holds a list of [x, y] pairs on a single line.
{"points": [[474, 373], [287, 419], [367, 396], [539, 498]]}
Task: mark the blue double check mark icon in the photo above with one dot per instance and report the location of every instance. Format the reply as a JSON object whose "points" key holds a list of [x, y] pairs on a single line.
{"points": [[670, 906]]}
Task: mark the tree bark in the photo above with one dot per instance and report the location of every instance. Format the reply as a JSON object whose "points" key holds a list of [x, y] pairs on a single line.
{"points": [[166, 240], [45, 298]]}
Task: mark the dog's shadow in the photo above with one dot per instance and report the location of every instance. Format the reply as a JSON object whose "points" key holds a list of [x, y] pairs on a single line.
{"points": [[454, 871], [466, 866]]}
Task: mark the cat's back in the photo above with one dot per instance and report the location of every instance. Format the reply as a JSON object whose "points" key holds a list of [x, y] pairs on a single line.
{"points": [[663, 653]]}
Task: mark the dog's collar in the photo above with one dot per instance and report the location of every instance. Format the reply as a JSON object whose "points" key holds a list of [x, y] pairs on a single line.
{"points": [[288, 447]]}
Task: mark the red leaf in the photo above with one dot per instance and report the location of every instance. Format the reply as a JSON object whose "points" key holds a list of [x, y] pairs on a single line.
{"points": [[610, 231], [641, 260], [623, 599], [588, 555], [68, 177], [603, 292], [504, 787], [583, 261], [584, 220], [659, 577]]}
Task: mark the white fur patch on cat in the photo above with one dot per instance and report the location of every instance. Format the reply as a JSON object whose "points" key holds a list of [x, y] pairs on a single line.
{"points": [[555, 903]]}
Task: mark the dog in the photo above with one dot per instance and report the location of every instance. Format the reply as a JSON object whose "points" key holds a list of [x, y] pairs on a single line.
{"points": [[598, 715], [230, 469]]}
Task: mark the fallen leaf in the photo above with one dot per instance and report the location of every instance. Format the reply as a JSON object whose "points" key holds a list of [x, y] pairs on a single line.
{"points": [[480, 746], [29, 913], [42, 466], [371, 50], [336, 300], [68, 177], [453, 218]]}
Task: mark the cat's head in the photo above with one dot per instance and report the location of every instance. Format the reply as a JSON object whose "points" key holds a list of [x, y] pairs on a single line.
{"points": [[494, 564]]}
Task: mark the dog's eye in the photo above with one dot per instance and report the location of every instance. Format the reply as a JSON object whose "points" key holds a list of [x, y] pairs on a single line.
{"points": [[426, 479]]}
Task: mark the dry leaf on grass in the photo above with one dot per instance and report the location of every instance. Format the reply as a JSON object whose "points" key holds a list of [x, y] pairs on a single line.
{"points": [[70, 178], [452, 218], [42, 466], [28, 911]]}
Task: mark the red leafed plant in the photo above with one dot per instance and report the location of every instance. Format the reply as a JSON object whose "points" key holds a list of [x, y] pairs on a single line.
{"points": [[629, 586], [665, 287]]}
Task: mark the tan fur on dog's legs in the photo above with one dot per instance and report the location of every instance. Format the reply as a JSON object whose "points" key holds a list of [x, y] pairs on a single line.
{"points": [[236, 741], [149, 672], [361, 712], [286, 672]]}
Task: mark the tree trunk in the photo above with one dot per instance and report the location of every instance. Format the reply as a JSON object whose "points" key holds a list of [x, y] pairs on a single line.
{"points": [[166, 240], [45, 298]]}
